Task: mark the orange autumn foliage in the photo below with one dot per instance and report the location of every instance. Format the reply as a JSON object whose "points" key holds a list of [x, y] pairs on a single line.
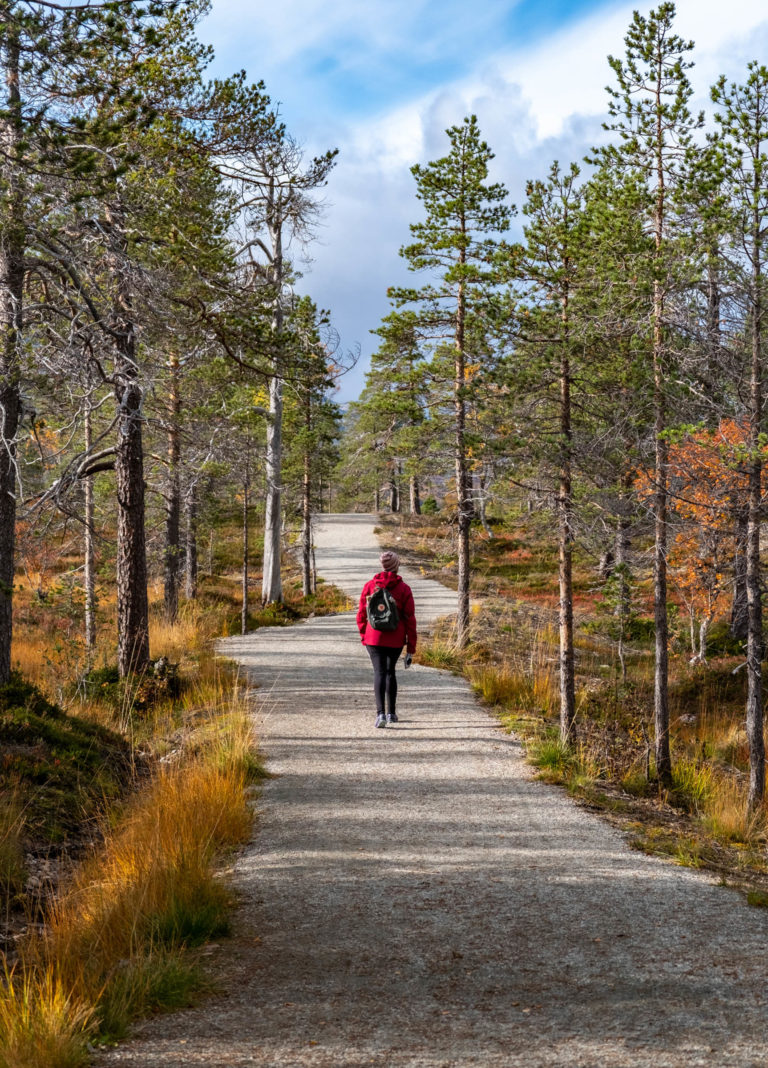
{"points": [[708, 483]]}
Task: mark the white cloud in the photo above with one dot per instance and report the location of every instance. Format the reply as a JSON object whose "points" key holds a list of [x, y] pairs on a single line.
{"points": [[534, 105]]}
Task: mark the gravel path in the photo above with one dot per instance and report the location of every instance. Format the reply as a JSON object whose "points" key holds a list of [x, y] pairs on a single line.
{"points": [[413, 898]]}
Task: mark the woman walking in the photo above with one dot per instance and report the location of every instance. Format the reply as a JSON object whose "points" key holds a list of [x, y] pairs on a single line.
{"points": [[386, 619]]}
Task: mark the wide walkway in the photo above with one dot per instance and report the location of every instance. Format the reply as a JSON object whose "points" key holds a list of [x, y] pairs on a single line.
{"points": [[413, 898]]}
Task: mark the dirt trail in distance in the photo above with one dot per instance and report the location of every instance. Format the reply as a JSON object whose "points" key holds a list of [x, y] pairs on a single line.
{"points": [[413, 898]]}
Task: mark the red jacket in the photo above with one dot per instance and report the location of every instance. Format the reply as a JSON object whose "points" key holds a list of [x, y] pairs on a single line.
{"points": [[406, 628]]}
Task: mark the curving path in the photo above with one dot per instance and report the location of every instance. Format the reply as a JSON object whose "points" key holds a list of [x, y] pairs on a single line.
{"points": [[413, 898]]}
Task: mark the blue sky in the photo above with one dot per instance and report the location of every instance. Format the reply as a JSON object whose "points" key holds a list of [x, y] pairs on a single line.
{"points": [[364, 58], [381, 80]]}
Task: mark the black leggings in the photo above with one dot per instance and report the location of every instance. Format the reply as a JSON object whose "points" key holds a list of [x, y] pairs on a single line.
{"points": [[384, 677]]}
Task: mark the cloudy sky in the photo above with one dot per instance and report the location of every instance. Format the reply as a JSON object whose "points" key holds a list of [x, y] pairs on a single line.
{"points": [[382, 79]]}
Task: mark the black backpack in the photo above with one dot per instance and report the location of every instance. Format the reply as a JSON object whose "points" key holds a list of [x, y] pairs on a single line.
{"points": [[382, 610]]}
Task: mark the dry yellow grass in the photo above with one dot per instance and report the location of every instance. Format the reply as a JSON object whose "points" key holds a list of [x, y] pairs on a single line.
{"points": [[725, 814], [184, 638], [155, 870], [113, 943], [41, 1022], [529, 685]]}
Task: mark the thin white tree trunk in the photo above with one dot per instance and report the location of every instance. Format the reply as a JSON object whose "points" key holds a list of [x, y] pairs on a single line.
{"points": [[272, 584]]}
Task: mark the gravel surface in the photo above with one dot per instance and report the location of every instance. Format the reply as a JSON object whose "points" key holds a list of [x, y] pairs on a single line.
{"points": [[413, 898]]}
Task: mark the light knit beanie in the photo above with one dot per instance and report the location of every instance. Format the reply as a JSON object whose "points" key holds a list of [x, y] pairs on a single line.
{"points": [[390, 561]]}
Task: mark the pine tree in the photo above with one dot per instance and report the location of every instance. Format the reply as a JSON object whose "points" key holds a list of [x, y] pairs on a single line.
{"points": [[743, 120], [552, 266], [56, 62], [650, 113], [457, 246]]}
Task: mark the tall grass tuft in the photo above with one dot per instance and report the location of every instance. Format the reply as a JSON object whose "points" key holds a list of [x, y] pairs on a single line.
{"points": [[726, 817], [441, 652], [694, 783], [113, 946], [42, 1023], [526, 684], [153, 885]]}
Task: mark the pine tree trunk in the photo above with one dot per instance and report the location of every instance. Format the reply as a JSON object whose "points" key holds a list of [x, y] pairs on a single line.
{"points": [[132, 600], [661, 668], [12, 241], [661, 673], [244, 605], [190, 555], [393, 501], [460, 458], [622, 546], [272, 585], [714, 301], [272, 577], [89, 550], [173, 498], [754, 576], [306, 528], [605, 565], [565, 516], [307, 585], [415, 496]]}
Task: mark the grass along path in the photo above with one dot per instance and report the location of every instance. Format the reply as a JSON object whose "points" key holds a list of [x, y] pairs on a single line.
{"points": [[412, 897]]}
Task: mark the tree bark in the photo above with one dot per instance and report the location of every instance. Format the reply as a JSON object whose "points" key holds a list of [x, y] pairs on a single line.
{"points": [[565, 517], [12, 244], [272, 578], [89, 549], [190, 555], [464, 505], [244, 605], [661, 673], [661, 668], [132, 600], [173, 499], [754, 584], [272, 584], [415, 495], [605, 564], [622, 546], [394, 503], [307, 584], [306, 529]]}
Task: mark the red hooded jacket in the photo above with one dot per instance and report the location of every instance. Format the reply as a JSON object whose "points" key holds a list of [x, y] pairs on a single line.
{"points": [[405, 632]]}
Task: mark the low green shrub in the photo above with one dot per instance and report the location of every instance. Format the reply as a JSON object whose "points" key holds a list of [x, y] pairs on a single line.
{"points": [[64, 766]]}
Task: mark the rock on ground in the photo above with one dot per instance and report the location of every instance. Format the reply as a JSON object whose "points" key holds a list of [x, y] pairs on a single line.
{"points": [[413, 898]]}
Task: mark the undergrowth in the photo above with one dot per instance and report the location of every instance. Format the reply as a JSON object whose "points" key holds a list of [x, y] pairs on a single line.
{"points": [[116, 942], [511, 661], [159, 775]]}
